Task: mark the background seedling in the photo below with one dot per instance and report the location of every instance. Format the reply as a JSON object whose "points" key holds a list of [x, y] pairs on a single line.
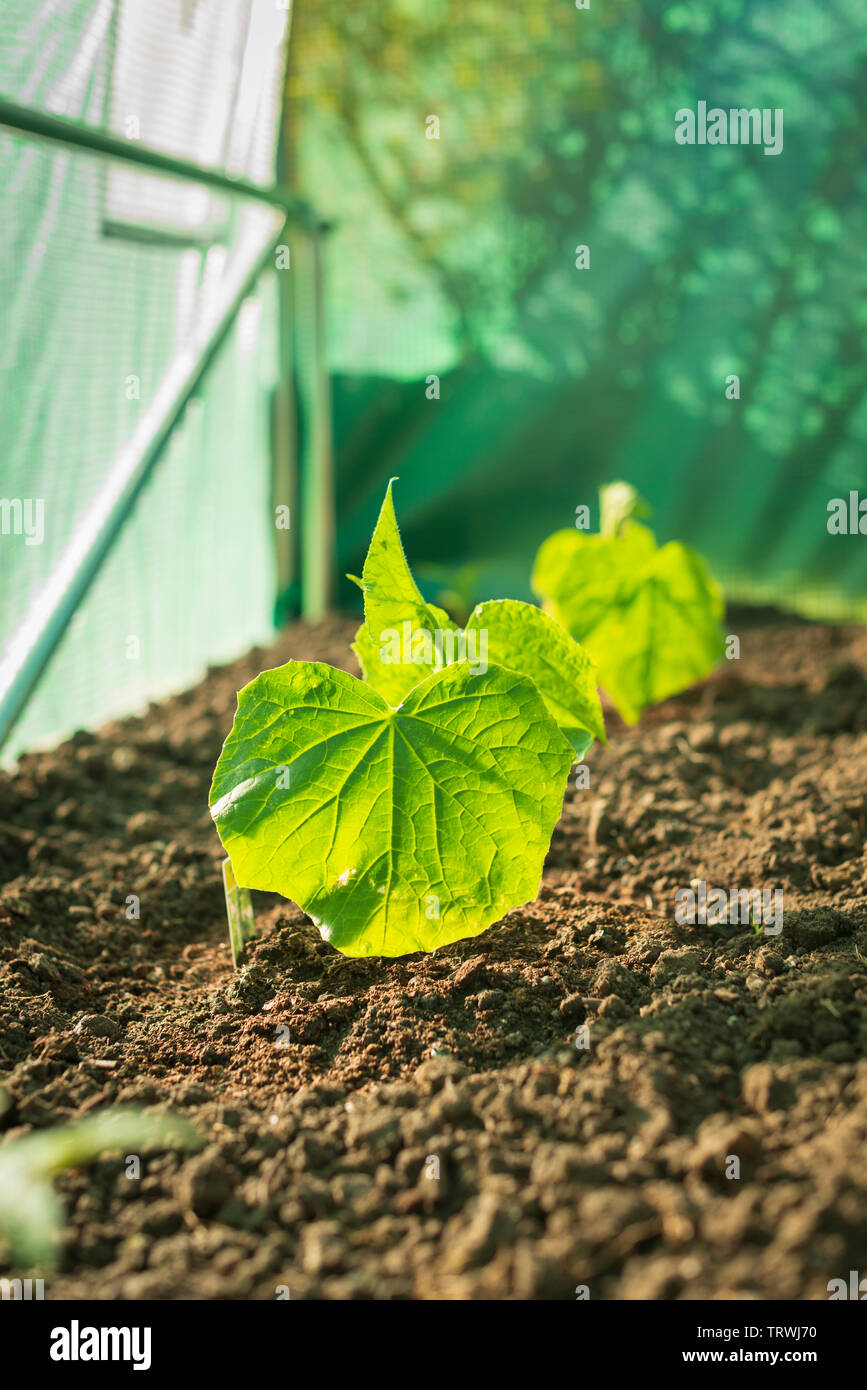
{"points": [[649, 616]]}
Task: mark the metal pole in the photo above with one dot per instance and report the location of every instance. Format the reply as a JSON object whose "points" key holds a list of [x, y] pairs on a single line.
{"points": [[55, 603], [284, 458], [284, 442], [316, 462], [83, 137]]}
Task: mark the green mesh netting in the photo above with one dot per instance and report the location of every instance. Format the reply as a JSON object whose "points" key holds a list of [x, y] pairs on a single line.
{"points": [[455, 256], [105, 272]]}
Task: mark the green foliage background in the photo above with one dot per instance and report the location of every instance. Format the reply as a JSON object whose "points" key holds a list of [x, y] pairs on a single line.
{"points": [[457, 257]]}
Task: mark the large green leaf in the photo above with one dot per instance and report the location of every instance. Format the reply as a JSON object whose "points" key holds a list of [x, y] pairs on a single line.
{"points": [[579, 576], [649, 617], [397, 830], [391, 600], [504, 633], [524, 639]]}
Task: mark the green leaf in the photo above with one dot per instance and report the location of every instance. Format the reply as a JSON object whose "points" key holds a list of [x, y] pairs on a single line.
{"points": [[391, 600], [649, 617], [524, 639], [396, 830], [503, 633], [395, 679], [31, 1215], [618, 504], [579, 576]]}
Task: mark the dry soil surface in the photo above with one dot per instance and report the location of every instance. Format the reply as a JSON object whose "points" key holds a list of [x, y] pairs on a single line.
{"points": [[564, 1101]]}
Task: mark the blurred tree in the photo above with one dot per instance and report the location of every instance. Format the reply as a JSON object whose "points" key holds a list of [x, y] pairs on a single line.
{"points": [[556, 129]]}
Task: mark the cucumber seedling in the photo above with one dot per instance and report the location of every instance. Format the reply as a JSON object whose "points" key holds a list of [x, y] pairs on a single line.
{"points": [[413, 807], [649, 616]]}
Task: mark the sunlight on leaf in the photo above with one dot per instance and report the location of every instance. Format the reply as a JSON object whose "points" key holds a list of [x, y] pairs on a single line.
{"points": [[395, 830], [649, 617]]}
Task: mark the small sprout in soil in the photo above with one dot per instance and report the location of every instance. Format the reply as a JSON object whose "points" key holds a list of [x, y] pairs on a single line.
{"points": [[239, 912]]}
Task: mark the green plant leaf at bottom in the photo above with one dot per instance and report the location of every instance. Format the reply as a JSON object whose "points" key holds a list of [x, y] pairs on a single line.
{"points": [[31, 1214]]}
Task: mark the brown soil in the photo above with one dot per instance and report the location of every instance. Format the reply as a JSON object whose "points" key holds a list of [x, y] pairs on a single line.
{"points": [[557, 1165]]}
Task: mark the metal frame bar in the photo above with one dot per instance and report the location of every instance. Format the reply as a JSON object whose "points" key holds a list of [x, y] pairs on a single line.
{"points": [[285, 465], [63, 131], [54, 605], [316, 461]]}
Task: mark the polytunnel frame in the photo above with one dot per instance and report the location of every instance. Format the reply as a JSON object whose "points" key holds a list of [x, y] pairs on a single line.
{"points": [[301, 469]]}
